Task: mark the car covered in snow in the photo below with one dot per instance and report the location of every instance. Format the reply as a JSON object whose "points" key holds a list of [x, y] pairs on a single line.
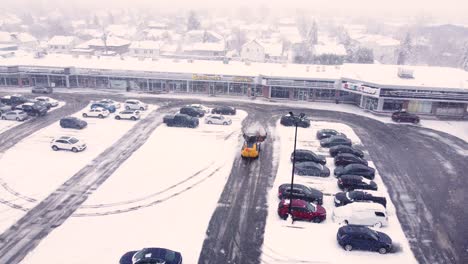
{"points": [[133, 104], [200, 107], [18, 115], [218, 120], [4, 108], [344, 198], [302, 210], [96, 112], [352, 237], [152, 255], [128, 114], [67, 143], [367, 214], [42, 89], [47, 100]]}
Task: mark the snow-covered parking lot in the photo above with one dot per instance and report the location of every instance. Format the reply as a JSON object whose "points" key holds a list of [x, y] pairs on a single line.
{"points": [[31, 170], [304, 242], [162, 196], [8, 124]]}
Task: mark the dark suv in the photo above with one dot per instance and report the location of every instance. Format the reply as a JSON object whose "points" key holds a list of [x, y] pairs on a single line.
{"points": [[307, 155], [357, 169], [360, 237], [352, 182], [302, 210], [301, 192], [288, 120], [14, 100], [403, 116], [73, 122], [191, 111], [344, 198], [34, 109], [224, 110]]}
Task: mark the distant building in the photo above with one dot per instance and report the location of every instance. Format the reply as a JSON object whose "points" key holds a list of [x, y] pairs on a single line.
{"points": [[194, 36], [253, 51], [61, 44], [144, 49], [111, 45], [204, 50]]}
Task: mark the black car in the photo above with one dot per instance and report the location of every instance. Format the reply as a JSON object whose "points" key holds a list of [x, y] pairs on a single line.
{"points": [[151, 255], [288, 120], [73, 122], [326, 133], [335, 141], [344, 198], [403, 116], [357, 169], [191, 111], [307, 155], [224, 110], [33, 109], [360, 237], [14, 100], [344, 159], [346, 149], [301, 192], [309, 168], [180, 120], [350, 182]]}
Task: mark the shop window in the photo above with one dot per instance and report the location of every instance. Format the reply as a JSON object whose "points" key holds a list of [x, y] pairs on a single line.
{"points": [[280, 92]]}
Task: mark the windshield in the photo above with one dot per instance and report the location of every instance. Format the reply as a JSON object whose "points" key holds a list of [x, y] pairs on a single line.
{"points": [[73, 140], [311, 207]]}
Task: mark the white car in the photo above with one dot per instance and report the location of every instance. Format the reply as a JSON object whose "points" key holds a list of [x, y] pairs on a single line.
{"points": [[200, 107], [96, 112], [47, 100], [128, 114], [68, 143], [367, 214], [135, 105], [110, 102], [18, 115], [218, 120]]}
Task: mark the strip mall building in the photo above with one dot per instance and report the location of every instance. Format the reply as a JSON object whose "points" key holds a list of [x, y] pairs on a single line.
{"points": [[381, 88]]}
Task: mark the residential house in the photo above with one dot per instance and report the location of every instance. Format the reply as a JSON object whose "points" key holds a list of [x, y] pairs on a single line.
{"points": [[61, 44], [253, 51], [200, 50], [144, 49], [112, 45]]}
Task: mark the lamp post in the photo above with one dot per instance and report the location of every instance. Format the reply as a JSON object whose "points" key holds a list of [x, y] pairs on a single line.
{"points": [[296, 119]]}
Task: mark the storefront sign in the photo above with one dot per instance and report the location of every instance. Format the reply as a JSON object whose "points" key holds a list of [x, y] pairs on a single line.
{"points": [[360, 88], [206, 77], [242, 79]]}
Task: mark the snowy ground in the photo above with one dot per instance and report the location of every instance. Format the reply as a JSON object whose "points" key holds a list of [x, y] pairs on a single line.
{"points": [[168, 190], [31, 170], [7, 124], [304, 242]]}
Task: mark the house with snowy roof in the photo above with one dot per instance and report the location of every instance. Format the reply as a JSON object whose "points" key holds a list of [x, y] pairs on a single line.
{"points": [[144, 49], [61, 44]]}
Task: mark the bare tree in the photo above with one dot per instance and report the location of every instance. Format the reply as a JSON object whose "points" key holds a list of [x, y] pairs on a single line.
{"points": [[404, 52], [192, 22]]}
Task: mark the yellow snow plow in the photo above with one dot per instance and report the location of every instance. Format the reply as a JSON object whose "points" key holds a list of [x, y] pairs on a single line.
{"points": [[253, 139]]}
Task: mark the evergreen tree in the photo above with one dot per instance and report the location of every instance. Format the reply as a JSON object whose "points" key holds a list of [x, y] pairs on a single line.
{"points": [[464, 59], [192, 22], [404, 52]]}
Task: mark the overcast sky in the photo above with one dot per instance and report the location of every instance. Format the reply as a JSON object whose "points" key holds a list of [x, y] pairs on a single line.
{"points": [[446, 9]]}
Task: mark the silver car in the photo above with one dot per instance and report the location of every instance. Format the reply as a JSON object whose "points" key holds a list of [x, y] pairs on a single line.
{"points": [[18, 115]]}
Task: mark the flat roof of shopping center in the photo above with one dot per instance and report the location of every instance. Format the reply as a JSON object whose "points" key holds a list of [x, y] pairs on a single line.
{"points": [[424, 77]]}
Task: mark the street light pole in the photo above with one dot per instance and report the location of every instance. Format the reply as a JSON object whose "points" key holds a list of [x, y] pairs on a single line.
{"points": [[296, 121]]}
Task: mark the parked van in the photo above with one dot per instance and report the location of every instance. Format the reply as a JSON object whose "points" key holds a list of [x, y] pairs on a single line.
{"points": [[367, 214]]}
